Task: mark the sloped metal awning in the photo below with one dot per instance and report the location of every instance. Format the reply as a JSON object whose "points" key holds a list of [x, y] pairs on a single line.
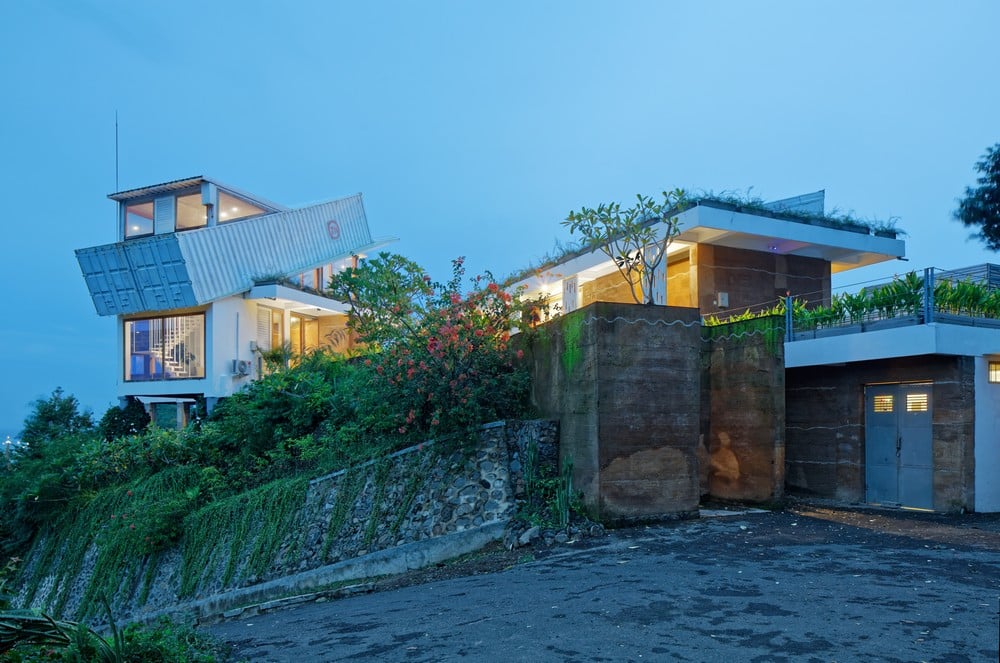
{"points": [[194, 267]]}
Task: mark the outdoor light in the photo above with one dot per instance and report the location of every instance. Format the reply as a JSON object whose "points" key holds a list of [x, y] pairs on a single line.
{"points": [[994, 371]]}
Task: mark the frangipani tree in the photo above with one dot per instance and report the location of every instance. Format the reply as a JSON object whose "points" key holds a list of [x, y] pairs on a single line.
{"points": [[636, 238]]}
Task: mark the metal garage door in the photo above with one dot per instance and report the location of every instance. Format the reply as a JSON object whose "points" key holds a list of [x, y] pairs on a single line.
{"points": [[899, 456]]}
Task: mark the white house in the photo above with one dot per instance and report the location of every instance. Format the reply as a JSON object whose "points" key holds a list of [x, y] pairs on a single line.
{"points": [[204, 277]]}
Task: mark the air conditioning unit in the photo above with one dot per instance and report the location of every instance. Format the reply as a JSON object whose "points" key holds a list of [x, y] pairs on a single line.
{"points": [[241, 367]]}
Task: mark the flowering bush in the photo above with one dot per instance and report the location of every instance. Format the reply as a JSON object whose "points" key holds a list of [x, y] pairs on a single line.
{"points": [[439, 361]]}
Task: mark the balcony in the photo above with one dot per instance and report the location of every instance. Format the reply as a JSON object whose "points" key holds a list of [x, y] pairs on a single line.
{"points": [[955, 312]]}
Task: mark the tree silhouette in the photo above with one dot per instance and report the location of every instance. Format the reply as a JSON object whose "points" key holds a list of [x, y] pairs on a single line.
{"points": [[980, 208]]}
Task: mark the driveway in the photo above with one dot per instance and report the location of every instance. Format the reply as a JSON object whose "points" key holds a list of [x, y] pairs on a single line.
{"points": [[811, 583]]}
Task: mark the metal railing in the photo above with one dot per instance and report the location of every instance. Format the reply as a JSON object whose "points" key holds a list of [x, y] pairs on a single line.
{"points": [[969, 296]]}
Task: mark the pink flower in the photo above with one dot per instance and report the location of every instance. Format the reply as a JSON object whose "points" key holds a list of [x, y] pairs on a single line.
{"points": [[520, 354], [131, 526], [493, 287]]}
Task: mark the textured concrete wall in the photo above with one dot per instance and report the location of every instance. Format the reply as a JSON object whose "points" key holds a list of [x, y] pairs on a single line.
{"points": [[679, 282], [825, 435], [608, 288], [624, 382], [744, 430], [756, 279]]}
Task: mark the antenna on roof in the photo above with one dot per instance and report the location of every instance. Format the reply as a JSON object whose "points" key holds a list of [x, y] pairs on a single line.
{"points": [[116, 150], [116, 172]]}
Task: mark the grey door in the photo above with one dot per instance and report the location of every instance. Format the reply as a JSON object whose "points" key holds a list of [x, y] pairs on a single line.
{"points": [[899, 456]]}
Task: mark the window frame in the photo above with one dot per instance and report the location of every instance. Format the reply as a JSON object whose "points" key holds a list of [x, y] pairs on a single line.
{"points": [[177, 197], [125, 216], [222, 216], [128, 352]]}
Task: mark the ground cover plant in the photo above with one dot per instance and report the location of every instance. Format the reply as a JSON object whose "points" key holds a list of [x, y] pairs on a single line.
{"points": [[436, 363]]}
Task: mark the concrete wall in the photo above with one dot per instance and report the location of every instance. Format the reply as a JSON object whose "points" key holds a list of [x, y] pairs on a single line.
{"points": [[825, 452], [679, 283], [987, 431], [755, 279], [743, 454], [624, 382], [608, 288]]}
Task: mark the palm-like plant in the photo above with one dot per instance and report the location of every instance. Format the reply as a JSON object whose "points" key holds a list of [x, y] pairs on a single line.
{"points": [[23, 627]]}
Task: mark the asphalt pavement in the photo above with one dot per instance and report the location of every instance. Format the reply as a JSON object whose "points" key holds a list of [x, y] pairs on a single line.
{"points": [[799, 585]]}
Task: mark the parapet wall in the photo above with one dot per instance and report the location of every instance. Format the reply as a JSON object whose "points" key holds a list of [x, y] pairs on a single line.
{"points": [[743, 457], [623, 380]]}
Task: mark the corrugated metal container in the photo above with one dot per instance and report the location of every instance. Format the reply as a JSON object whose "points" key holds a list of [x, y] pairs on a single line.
{"points": [[227, 259], [199, 266]]}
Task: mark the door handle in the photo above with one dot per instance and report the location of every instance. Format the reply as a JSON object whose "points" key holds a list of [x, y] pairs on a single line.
{"points": [[899, 445]]}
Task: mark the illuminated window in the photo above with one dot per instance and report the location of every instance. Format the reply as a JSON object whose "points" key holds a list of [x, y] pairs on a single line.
{"points": [[883, 403], [232, 208], [995, 371], [916, 402], [139, 220], [171, 348], [190, 212]]}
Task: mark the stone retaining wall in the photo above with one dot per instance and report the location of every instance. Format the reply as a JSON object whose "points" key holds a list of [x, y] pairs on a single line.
{"points": [[415, 495]]}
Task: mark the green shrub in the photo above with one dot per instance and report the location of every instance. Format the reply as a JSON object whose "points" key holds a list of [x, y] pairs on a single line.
{"points": [[121, 421], [441, 360]]}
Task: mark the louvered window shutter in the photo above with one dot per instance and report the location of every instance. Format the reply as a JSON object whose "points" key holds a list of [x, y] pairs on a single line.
{"points": [[163, 215], [263, 328]]}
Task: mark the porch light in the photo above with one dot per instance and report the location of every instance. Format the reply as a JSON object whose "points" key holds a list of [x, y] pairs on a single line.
{"points": [[994, 371]]}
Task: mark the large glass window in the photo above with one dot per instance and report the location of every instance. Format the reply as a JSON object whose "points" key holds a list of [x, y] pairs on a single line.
{"points": [[232, 208], [139, 219], [169, 348], [190, 212]]}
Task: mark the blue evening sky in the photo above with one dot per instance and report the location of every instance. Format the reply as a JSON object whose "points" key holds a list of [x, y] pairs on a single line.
{"points": [[471, 128]]}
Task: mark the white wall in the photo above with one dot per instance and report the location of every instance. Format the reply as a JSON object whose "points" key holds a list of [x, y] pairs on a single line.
{"points": [[987, 439], [231, 324], [908, 341]]}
